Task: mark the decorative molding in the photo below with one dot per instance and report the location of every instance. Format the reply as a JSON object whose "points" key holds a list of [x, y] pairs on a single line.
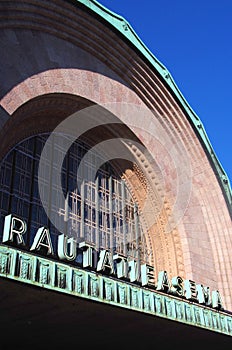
{"points": [[44, 273]]}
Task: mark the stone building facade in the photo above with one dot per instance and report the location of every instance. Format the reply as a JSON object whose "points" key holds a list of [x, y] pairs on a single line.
{"points": [[62, 59]]}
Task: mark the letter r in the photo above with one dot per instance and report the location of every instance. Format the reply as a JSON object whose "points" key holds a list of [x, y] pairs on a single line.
{"points": [[14, 226]]}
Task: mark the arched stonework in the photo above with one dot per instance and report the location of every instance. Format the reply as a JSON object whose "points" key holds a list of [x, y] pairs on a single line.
{"points": [[44, 113], [75, 52]]}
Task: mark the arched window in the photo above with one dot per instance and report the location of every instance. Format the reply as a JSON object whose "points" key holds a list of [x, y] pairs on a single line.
{"points": [[99, 206]]}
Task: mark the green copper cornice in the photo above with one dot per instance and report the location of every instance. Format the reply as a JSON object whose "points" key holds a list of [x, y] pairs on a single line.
{"points": [[120, 24], [41, 272]]}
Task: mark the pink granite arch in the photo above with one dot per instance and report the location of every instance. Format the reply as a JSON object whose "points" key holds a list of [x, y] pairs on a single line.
{"points": [[56, 47]]}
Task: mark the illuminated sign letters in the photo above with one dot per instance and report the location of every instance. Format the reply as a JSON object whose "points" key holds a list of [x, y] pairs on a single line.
{"points": [[105, 262]]}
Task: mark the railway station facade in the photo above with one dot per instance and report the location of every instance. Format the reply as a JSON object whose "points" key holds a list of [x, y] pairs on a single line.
{"points": [[115, 212]]}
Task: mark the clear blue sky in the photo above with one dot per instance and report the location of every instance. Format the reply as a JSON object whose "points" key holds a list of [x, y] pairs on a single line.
{"points": [[193, 39]]}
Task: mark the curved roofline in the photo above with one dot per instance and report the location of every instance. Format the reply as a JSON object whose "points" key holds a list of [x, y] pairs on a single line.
{"points": [[121, 25]]}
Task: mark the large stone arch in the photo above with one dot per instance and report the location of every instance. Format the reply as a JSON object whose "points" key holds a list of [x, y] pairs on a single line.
{"points": [[76, 53], [43, 113]]}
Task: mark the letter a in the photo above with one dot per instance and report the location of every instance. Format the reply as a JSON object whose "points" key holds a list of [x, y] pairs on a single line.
{"points": [[42, 240]]}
